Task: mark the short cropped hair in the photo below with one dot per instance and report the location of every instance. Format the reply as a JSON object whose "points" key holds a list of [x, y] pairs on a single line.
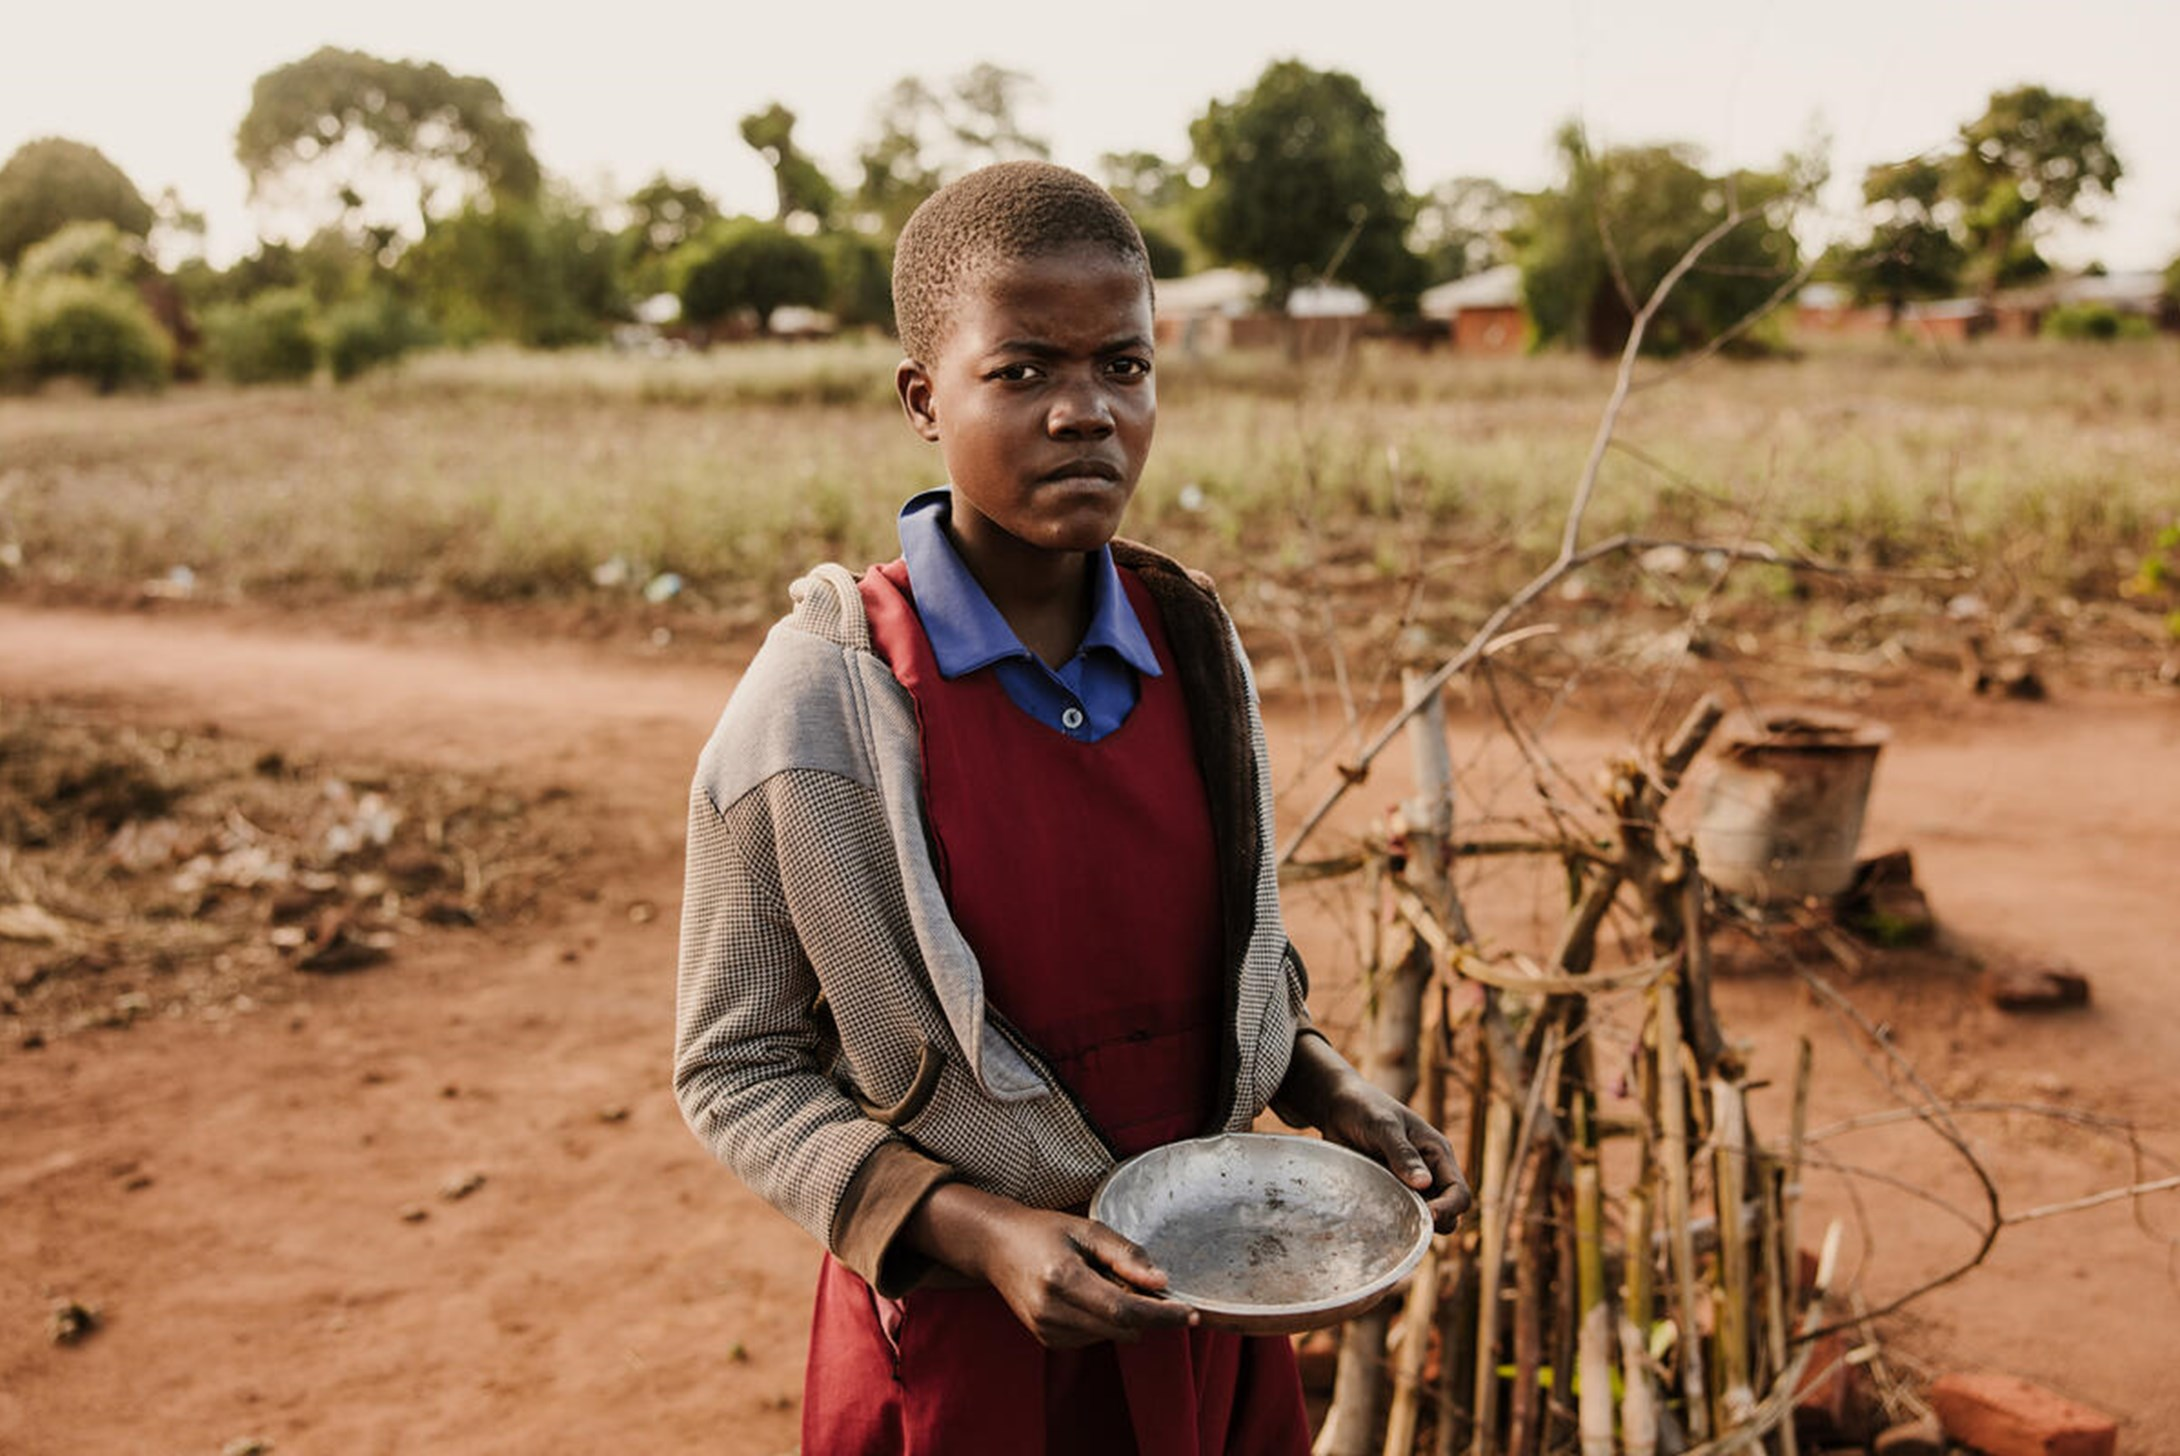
{"points": [[997, 214]]}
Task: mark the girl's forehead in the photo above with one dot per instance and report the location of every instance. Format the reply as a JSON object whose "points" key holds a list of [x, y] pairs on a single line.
{"points": [[1085, 286]]}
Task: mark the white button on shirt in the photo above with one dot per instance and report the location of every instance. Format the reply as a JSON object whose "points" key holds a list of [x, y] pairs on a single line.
{"points": [[1071, 718]]}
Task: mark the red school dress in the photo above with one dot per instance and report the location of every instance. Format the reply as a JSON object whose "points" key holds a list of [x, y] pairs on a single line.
{"points": [[1095, 919]]}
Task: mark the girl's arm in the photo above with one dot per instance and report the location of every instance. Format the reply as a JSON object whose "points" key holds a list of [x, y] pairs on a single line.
{"points": [[1323, 1091]]}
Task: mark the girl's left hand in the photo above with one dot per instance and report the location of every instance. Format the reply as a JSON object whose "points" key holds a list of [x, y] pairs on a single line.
{"points": [[1322, 1091]]}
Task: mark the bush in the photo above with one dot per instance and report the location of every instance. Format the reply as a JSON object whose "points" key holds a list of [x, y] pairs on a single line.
{"points": [[747, 265], [366, 332], [2099, 322], [263, 340], [91, 328], [84, 250], [537, 275]]}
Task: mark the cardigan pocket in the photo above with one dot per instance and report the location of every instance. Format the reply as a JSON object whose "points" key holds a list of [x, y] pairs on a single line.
{"points": [[929, 1065]]}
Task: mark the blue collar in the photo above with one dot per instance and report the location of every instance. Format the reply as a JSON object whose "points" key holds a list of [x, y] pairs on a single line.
{"points": [[966, 630]]}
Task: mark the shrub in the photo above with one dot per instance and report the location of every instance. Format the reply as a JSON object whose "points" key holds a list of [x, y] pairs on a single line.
{"points": [[747, 265], [266, 339], [366, 332], [84, 250], [2094, 321], [91, 328]]}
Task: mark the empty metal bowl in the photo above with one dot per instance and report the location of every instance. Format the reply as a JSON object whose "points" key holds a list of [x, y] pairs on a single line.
{"points": [[1268, 1234]]}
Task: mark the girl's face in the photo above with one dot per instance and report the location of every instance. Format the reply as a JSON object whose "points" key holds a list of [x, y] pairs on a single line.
{"points": [[1041, 400]]}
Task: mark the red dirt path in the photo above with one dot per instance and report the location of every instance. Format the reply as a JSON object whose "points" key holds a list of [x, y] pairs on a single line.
{"points": [[609, 1288]]}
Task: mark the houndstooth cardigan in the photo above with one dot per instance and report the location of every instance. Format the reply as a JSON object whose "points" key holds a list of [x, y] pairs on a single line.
{"points": [[834, 1045]]}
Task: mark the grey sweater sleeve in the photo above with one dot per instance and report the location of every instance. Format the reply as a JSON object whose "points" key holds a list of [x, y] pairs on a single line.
{"points": [[753, 1053]]}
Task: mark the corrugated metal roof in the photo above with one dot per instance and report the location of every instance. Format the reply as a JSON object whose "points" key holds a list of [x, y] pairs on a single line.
{"points": [[2137, 291], [1327, 300], [1498, 287], [1228, 291]]}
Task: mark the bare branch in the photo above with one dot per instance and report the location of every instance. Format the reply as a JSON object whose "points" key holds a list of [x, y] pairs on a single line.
{"points": [[1586, 486], [2109, 1195], [1735, 330]]}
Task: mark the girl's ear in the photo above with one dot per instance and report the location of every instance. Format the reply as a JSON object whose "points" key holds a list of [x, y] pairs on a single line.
{"points": [[913, 383]]}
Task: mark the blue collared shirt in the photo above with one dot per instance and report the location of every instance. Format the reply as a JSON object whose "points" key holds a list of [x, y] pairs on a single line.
{"points": [[1086, 697]]}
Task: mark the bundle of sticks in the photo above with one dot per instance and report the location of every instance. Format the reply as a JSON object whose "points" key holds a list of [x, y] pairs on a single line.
{"points": [[1625, 1283]]}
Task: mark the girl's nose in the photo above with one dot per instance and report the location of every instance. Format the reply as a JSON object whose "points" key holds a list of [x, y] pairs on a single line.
{"points": [[1079, 411]]}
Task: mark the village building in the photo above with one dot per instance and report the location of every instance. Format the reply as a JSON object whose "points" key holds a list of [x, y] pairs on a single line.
{"points": [[1219, 309], [2019, 313], [1482, 312]]}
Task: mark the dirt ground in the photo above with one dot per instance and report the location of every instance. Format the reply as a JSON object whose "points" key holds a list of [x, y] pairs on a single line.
{"points": [[238, 1197]]}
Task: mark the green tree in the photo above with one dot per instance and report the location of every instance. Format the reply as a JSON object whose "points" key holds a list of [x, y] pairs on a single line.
{"points": [[1461, 227], [343, 126], [1157, 194], [329, 264], [802, 188], [538, 274], [53, 181], [744, 264], [1912, 250], [662, 215], [985, 116], [1593, 249], [926, 136], [2033, 156], [1145, 182], [859, 268], [177, 229], [1305, 185]]}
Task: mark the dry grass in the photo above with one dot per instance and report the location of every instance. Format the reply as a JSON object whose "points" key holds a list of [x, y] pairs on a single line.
{"points": [[2039, 473]]}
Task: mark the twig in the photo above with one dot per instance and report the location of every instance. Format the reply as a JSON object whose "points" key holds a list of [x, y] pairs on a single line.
{"points": [[1358, 769], [2109, 1195], [1586, 485], [1786, 289], [1895, 1181]]}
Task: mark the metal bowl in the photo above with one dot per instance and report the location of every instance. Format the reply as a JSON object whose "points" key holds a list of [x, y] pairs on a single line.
{"points": [[1268, 1234]]}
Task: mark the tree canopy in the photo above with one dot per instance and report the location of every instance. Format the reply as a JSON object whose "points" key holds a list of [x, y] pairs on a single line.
{"points": [[1968, 214], [1593, 249], [344, 124], [51, 182], [2032, 156], [538, 273], [746, 264], [927, 136], [1912, 250], [1461, 226], [802, 189], [1157, 194], [1304, 185], [662, 215]]}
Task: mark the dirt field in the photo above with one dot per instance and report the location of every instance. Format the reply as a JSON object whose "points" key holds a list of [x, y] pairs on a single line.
{"points": [[230, 1193]]}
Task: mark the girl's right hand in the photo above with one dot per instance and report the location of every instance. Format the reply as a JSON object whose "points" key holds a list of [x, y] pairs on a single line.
{"points": [[1069, 1280]]}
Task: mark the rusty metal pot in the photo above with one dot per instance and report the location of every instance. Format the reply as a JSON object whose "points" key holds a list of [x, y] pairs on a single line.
{"points": [[1782, 813]]}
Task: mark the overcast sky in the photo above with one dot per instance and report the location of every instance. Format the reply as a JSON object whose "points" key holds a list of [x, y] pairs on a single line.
{"points": [[619, 90]]}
